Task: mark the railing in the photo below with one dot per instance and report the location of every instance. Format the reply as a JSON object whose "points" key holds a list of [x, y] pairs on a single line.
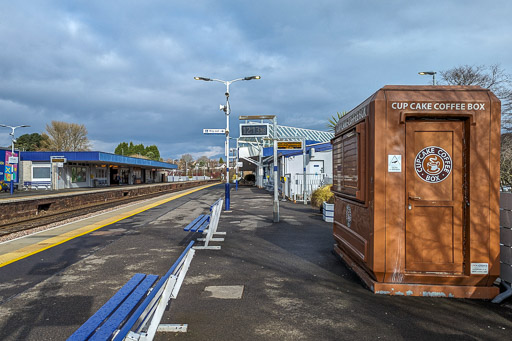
{"points": [[505, 245], [313, 182]]}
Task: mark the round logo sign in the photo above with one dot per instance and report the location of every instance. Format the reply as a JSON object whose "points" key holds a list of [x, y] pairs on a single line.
{"points": [[433, 164]]}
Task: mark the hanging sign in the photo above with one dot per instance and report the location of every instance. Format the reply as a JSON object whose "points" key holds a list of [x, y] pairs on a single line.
{"points": [[433, 164], [58, 159], [254, 130], [214, 131], [289, 145]]}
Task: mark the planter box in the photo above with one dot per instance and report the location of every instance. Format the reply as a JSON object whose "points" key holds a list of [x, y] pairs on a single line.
{"points": [[328, 212]]}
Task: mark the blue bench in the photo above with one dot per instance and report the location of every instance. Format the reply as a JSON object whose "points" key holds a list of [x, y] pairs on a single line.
{"points": [[36, 184], [199, 224], [108, 318], [137, 300], [203, 220], [207, 225]]}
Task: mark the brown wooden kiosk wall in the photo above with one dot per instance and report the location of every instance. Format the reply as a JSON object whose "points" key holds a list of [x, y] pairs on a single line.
{"points": [[416, 184]]}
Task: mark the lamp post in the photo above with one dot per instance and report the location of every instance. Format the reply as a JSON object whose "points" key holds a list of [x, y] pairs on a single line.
{"points": [[227, 110], [430, 73], [12, 148]]}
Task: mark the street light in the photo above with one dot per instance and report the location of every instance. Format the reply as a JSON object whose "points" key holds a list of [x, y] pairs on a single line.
{"points": [[227, 110], [430, 73], [12, 148]]}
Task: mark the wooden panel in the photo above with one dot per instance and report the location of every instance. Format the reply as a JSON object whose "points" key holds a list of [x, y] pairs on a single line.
{"points": [[351, 240], [425, 250], [434, 217]]}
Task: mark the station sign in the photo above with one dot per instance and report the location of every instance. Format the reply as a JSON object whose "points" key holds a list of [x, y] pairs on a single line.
{"points": [[254, 130], [8, 168], [289, 145], [60, 159], [214, 131]]}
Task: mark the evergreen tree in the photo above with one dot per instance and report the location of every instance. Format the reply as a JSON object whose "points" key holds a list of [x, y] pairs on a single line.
{"points": [[29, 142], [122, 149], [138, 149], [152, 152]]}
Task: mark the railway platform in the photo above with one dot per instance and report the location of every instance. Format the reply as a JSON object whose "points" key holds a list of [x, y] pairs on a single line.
{"points": [[269, 281], [20, 195]]}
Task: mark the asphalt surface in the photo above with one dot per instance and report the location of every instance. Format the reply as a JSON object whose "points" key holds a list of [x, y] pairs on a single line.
{"points": [[294, 287]]}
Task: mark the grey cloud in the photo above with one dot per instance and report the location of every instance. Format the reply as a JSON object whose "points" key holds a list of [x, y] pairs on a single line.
{"points": [[125, 68]]}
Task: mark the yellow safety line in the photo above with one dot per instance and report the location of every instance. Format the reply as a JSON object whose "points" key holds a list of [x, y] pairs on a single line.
{"points": [[30, 250]]}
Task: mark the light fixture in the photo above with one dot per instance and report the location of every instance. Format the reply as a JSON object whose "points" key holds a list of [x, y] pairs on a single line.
{"points": [[430, 73]]}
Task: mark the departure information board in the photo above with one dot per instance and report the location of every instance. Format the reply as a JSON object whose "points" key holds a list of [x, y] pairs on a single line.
{"points": [[289, 145]]}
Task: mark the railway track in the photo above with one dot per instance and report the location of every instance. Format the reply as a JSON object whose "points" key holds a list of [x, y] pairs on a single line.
{"points": [[45, 218]]}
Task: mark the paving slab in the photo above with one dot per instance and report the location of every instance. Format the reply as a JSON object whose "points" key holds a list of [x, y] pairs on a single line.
{"points": [[295, 288], [269, 281]]}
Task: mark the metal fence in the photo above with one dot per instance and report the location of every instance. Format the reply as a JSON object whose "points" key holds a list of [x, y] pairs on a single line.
{"points": [[506, 236], [293, 186], [177, 178], [313, 182]]}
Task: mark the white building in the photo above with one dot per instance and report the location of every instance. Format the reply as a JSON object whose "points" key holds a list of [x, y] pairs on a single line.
{"points": [[300, 171]]}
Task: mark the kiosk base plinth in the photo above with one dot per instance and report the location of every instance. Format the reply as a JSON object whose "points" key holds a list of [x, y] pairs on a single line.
{"points": [[425, 290]]}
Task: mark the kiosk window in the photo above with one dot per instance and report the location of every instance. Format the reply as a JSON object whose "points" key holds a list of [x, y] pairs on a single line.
{"points": [[349, 155]]}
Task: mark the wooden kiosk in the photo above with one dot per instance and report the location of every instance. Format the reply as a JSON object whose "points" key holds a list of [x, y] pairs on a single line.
{"points": [[416, 184]]}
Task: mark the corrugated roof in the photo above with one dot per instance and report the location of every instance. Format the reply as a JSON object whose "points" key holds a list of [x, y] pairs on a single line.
{"points": [[285, 131]]}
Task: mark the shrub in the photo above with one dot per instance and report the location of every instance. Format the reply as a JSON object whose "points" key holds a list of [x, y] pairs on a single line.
{"points": [[321, 195]]}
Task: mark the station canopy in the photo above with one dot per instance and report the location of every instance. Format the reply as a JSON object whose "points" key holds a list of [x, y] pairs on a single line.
{"points": [[252, 144], [95, 158]]}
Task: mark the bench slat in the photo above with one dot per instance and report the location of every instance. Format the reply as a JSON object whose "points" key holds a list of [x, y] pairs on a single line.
{"points": [[204, 225], [200, 223], [135, 316], [189, 226], [97, 319], [124, 310]]}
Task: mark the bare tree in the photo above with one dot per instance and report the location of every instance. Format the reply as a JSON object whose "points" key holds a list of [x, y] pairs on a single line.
{"points": [[491, 77], [203, 160], [62, 136], [186, 161], [506, 161]]}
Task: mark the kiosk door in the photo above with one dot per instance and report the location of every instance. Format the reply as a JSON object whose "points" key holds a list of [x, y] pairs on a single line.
{"points": [[434, 202]]}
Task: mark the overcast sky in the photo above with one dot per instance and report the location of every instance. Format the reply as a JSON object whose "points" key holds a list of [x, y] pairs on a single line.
{"points": [[125, 69]]}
